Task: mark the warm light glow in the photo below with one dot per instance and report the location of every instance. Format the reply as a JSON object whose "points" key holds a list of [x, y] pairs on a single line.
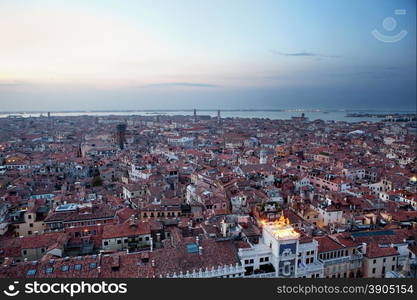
{"points": [[413, 179], [281, 228]]}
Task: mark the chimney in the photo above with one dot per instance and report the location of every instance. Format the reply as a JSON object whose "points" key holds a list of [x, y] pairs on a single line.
{"points": [[5, 262], [363, 248]]}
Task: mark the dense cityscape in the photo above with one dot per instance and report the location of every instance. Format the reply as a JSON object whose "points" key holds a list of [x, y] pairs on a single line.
{"points": [[207, 197]]}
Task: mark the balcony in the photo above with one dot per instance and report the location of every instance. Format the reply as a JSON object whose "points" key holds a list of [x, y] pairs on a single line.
{"points": [[356, 257], [304, 270], [338, 260]]}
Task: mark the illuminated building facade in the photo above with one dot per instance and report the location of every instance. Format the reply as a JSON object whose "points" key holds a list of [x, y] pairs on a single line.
{"points": [[283, 248], [282, 239]]}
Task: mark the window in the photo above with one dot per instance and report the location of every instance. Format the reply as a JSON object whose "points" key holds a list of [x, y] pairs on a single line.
{"points": [[374, 261], [42, 250], [31, 272], [373, 271], [25, 252], [29, 232], [31, 225], [125, 241], [93, 265], [119, 241], [147, 238], [49, 270], [393, 268], [261, 259], [29, 216], [384, 260], [106, 243], [266, 258], [393, 259], [78, 267], [65, 268]]}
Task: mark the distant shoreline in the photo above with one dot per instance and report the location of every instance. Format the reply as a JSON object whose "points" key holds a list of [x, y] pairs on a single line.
{"points": [[207, 110]]}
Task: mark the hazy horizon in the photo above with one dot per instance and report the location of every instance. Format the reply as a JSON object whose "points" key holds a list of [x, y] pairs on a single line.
{"points": [[239, 54]]}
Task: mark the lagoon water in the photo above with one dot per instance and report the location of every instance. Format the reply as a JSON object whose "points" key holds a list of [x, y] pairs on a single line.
{"points": [[335, 115]]}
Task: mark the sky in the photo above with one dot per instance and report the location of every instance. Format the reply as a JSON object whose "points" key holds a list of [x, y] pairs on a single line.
{"points": [[208, 54]]}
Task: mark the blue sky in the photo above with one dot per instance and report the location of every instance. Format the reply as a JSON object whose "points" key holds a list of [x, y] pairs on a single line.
{"points": [[205, 54]]}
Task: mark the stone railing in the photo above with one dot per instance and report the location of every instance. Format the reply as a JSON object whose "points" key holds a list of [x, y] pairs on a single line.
{"points": [[304, 270], [337, 260], [220, 271], [262, 275]]}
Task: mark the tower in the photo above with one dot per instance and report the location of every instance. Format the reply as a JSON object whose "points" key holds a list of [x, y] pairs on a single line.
{"points": [[218, 117], [263, 157], [120, 135], [195, 115], [283, 240]]}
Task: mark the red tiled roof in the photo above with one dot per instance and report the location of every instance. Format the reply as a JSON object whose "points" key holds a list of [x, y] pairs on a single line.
{"points": [[327, 244], [126, 229], [373, 250]]}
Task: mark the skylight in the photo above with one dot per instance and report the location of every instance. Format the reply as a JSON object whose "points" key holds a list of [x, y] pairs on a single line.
{"points": [[192, 248]]}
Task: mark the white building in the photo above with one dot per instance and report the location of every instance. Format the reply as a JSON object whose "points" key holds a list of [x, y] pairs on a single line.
{"points": [[281, 247], [137, 173]]}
